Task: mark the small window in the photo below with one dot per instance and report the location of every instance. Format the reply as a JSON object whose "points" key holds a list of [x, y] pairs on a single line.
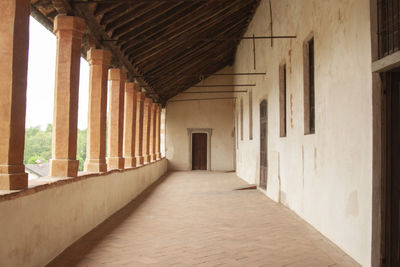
{"points": [[241, 119], [250, 92], [282, 99], [388, 26], [309, 87]]}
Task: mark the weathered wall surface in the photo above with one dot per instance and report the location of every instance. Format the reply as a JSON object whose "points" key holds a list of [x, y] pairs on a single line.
{"points": [[325, 177], [56, 217], [214, 114]]}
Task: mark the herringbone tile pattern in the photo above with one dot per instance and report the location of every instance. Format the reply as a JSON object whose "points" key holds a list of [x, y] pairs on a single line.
{"points": [[198, 219]]}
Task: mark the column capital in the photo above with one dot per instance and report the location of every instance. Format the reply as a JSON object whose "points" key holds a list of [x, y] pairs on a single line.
{"points": [[136, 87], [132, 86], [147, 101], [116, 74], [99, 56], [69, 23], [141, 96], [129, 85]]}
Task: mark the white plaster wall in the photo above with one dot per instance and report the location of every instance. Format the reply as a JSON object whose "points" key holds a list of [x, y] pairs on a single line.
{"points": [[330, 186], [162, 133], [214, 114], [58, 216]]}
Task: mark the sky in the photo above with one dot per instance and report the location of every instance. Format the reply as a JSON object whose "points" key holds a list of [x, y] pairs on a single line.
{"points": [[41, 74]]}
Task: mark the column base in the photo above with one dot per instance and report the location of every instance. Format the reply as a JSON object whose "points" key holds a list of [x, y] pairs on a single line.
{"points": [[13, 177], [158, 156], [147, 159], [64, 167], [139, 160], [154, 157], [130, 162], [115, 163], [95, 165]]}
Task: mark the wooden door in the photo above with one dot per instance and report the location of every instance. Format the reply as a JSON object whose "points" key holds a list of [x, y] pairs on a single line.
{"points": [[392, 185], [263, 144], [199, 151]]}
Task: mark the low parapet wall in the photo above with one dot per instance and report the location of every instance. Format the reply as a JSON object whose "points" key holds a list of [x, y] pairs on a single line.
{"points": [[37, 224]]}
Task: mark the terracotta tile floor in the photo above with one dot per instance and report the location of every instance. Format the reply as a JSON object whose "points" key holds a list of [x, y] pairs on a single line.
{"points": [[198, 219]]}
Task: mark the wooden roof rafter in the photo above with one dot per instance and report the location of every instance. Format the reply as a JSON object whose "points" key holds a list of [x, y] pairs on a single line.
{"points": [[149, 37], [223, 28]]}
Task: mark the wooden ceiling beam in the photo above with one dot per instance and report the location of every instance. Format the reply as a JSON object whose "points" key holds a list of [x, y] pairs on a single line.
{"points": [[146, 52], [62, 6], [127, 39], [99, 34], [170, 48], [173, 91], [153, 36], [131, 18], [102, 9], [161, 29], [173, 86], [223, 28], [118, 11], [151, 19], [175, 29], [196, 64]]}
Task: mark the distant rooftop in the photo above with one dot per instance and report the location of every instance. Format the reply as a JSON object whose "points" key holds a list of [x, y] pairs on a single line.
{"points": [[41, 169]]}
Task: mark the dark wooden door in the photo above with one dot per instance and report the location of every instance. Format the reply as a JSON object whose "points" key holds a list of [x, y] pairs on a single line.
{"points": [[392, 191], [263, 144], [199, 151]]}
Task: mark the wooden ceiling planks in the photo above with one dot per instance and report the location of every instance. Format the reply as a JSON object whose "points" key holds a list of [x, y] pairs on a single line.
{"points": [[160, 42]]}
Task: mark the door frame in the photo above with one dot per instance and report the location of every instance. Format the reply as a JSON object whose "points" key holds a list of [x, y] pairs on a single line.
{"points": [[207, 131], [379, 142]]}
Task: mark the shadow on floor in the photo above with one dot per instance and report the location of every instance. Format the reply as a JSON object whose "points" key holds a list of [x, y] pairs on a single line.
{"points": [[88, 242]]}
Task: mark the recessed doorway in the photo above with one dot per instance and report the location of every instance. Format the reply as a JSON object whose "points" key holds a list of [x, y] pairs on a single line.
{"points": [[391, 186], [199, 151]]}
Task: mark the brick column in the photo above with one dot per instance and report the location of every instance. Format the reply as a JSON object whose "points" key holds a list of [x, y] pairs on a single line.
{"points": [[131, 90], [153, 137], [14, 45], [146, 130], [158, 133], [139, 128], [99, 60], [116, 85], [69, 32], [151, 134]]}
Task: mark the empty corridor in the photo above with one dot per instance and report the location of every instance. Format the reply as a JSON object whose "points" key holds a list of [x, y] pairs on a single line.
{"points": [[197, 218]]}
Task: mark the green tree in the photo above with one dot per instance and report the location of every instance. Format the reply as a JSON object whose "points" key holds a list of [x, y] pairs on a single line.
{"points": [[81, 148], [35, 159], [49, 128], [38, 145]]}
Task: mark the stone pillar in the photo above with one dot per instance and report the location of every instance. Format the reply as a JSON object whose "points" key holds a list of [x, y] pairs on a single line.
{"points": [[158, 133], [139, 128], [131, 90], [69, 32], [116, 85], [14, 45], [151, 134], [153, 137], [99, 60], [146, 130]]}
